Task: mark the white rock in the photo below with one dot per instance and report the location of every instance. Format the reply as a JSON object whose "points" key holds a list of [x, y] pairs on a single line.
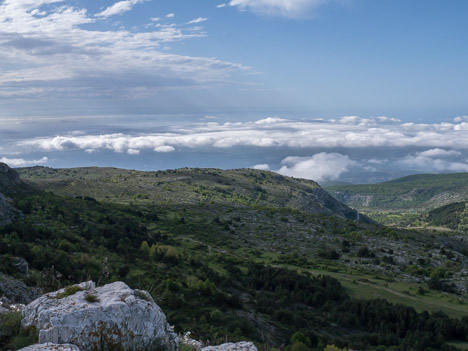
{"points": [[121, 318], [51, 347], [187, 340], [239, 346]]}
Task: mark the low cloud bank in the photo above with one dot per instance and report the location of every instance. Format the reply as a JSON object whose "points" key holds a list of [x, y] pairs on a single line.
{"points": [[318, 167]]}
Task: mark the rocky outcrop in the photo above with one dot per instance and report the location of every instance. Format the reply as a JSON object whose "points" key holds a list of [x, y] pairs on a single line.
{"points": [[51, 347], [8, 177], [191, 343], [240, 346], [7, 212], [104, 318], [21, 265], [9, 182], [14, 291]]}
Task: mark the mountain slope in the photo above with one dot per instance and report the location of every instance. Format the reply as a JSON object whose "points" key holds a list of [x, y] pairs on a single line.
{"points": [[241, 188], [453, 216], [222, 269], [423, 191]]}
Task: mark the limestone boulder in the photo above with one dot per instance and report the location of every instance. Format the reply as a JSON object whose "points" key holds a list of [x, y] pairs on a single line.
{"points": [[111, 317]]}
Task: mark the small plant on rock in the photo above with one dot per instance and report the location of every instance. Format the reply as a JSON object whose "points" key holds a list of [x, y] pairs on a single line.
{"points": [[91, 298]]}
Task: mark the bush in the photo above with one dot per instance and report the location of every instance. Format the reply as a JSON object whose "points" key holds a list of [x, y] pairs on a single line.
{"points": [[365, 252]]}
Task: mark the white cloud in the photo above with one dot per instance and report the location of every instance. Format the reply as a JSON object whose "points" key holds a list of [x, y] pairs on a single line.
{"points": [[118, 8], [288, 8], [164, 148], [133, 152], [271, 120], [433, 153], [170, 15], [20, 162], [197, 20], [460, 119], [221, 6], [317, 167], [262, 167]]}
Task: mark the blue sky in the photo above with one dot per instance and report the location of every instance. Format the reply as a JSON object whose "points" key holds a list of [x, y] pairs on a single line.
{"points": [[154, 84]]}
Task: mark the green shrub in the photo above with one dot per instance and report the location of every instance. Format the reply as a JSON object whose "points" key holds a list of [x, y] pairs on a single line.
{"points": [[91, 298], [69, 290]]}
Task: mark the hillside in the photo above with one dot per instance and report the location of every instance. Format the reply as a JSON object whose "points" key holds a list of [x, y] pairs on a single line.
{"points": [[453, 216], [422, 191], [240, 269], [238, 188]]}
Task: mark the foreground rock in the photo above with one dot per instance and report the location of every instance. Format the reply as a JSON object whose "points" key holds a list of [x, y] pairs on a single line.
{"points": [[240, 346], [51, 347], [109, 317]]}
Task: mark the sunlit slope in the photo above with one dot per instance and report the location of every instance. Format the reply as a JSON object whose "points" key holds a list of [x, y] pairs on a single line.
{"points": [[188, 186], [423, 191]]}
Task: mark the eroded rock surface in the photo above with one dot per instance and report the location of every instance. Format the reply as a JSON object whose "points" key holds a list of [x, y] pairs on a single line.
{"points": [[109, 317], [239, 346], [51, 347]]}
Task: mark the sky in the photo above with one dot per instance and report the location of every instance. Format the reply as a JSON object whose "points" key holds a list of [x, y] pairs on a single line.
{"points": [[331, 90]]}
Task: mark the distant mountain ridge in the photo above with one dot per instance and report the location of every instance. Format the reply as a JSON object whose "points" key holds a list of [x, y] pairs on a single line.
{"points": [[422, 191], [191, 186]]}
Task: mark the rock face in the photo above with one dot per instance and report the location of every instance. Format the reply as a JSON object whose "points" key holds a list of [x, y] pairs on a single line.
{"points": [[240, 346], [9, 181], [16, 292], [8, 177], [7, 211], [51, 347], [21, 265], [115, 317]]}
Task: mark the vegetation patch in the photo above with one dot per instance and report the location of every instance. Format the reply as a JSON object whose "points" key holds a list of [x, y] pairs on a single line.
{"points": [[69, 290], [12, 335]]}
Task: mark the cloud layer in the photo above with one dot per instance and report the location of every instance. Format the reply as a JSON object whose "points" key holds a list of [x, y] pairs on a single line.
{"points": [[49, 48], [315, 149], [347, 132]]}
